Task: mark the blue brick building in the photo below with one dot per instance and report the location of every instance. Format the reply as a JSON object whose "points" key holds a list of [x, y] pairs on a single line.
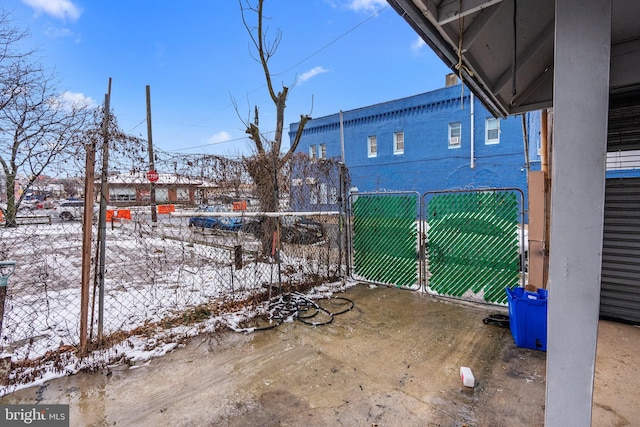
{"points": [[433, 141]]}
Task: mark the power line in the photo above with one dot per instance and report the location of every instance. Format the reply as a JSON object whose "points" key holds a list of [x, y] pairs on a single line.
{"points": [[221, 142], [133, 128], [316, 52], [336, 39]]}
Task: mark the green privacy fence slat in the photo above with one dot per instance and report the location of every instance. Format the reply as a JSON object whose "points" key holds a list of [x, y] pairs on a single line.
{"points": [[384, 238], [472, 250]]}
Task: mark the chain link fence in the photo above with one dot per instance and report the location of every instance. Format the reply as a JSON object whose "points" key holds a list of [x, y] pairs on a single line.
{"points": [[201, 252]]}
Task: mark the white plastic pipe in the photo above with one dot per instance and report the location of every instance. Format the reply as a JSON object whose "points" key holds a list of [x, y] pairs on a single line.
{"points": [[473, 140]]}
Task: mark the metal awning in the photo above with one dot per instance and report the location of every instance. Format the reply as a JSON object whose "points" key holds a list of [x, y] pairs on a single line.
{"points": [[484, 41]]}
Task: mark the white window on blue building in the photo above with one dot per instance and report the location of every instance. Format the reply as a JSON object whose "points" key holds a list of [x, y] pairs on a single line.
{"points": [[492, 131], [322, 151], [312, 151], [324, 196], [455, 133], [333, 195], [372, 146], [398, 143]]}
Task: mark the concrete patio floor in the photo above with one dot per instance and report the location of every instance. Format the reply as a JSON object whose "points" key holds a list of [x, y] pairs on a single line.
{"points": [[393, 360]]}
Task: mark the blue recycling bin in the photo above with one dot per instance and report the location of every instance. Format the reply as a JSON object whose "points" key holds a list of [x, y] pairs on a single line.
{"points": [[528, 317]]}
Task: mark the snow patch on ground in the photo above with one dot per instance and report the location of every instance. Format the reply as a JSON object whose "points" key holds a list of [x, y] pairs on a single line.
{"points": [[137, 350]]}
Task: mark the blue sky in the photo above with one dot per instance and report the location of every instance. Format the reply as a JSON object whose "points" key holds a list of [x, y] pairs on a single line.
{"points": [[196, 57]]}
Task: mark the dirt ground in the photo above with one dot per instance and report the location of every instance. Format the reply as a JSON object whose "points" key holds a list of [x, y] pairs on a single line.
{"points": [[394, 359], [616, 395]]}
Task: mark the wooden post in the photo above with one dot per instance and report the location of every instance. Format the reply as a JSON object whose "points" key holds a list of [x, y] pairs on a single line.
{"points": [[546, 140]]}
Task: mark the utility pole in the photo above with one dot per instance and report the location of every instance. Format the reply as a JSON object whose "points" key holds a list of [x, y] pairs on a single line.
{"points": [[102, 228], [152, 191], [86, 241]]}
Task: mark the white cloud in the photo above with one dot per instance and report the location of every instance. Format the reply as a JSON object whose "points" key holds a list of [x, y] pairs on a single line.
{"points": [[57, 33], [310, 74], [418, 44], [220, 137], [61, 9], [367, 5], [69, 100]]}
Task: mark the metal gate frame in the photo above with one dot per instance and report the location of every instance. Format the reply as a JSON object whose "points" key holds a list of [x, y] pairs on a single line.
{"points": [[421, 238], [424, 238], [387, 257]]}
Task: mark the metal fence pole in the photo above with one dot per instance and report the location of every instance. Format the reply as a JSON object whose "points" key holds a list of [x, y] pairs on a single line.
{"points": [[6, 270]]}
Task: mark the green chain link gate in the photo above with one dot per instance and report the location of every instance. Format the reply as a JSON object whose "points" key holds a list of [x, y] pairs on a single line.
{"points": [[472, 243], [384, 238]]}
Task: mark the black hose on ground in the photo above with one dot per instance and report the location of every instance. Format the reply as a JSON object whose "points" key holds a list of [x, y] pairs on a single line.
{"points": [[296, 306]]}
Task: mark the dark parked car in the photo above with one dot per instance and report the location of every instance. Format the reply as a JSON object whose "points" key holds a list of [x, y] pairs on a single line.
{"points": [[300, 230], [71, 209], [220, 223]]}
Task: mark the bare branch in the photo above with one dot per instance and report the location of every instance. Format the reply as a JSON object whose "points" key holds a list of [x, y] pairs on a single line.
{"points": [[303, 121], [266, 166], [37, 127]]}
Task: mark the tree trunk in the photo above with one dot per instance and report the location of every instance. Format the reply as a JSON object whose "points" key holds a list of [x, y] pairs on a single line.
{"points": [[10, 214], [263, 175]]}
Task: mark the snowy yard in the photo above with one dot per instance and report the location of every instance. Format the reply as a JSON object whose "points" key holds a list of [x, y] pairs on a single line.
{"points": [[161, 284]]}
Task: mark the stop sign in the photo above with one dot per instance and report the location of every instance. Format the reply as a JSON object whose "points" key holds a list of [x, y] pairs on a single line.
{"points": [[152, 176]]}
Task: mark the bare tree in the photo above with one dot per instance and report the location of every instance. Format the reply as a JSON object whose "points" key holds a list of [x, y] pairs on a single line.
{"points": [[71, 186], [266, 164], [122, 146], [37, 126], [10, 37]]}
